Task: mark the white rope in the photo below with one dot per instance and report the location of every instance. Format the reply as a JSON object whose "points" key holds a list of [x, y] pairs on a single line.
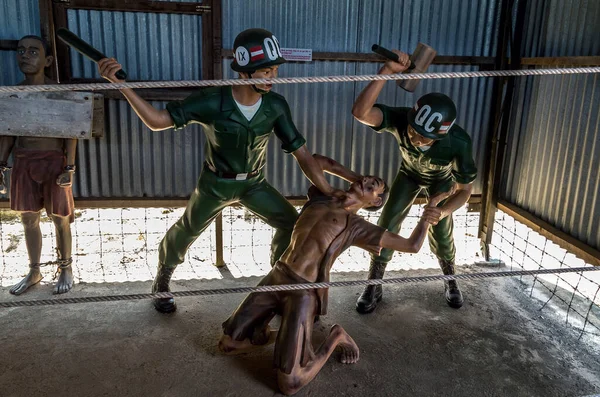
{"points": [[295, 287], [291, 80]]}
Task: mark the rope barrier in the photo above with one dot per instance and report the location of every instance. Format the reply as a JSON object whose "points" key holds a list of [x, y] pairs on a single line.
{"points": [[291, 80], [292, 287]]}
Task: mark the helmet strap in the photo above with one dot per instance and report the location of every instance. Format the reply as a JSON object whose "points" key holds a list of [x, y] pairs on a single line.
{"points": [[254, 87]]}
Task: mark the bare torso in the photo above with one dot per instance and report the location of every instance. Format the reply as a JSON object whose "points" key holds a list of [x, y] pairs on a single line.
{"points": [[315, 230], [37, 143]]}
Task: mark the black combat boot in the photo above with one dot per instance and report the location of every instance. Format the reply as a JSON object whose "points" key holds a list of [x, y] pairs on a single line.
{"points": [[454, 297], [371, 296], [161, 284]]}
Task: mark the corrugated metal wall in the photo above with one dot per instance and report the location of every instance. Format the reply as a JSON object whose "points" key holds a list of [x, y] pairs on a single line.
{"points": [[322, 112], [17, 19], [561, 28], [552, 162], [131, 160]]}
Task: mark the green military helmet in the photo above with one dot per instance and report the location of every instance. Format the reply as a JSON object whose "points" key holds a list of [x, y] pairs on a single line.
{"points": [[433, 115], [255, 49]]}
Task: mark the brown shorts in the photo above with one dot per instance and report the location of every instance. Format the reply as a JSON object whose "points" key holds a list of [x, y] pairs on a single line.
{"points": [[297, 309], [33, 183]]}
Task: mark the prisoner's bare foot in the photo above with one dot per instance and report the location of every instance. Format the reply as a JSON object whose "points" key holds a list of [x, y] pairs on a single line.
{"points": [[65, 281], [350, 351], [32, 278]]}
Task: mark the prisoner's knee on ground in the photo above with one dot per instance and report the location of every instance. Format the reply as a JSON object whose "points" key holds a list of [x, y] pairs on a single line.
{"points": [[289, 383], [300, 376]]}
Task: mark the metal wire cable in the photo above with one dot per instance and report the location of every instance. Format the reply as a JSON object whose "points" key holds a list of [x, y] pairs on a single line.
{"points": [[292, 287], [291, 80]]}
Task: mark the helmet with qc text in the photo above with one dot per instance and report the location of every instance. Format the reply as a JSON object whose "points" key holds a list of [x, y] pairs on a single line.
{"points": [[433, 115]]}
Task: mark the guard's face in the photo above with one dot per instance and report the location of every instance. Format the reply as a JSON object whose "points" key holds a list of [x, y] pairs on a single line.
{"points": [[31, 56], [266, 73], [417, 139], [368, 190]]}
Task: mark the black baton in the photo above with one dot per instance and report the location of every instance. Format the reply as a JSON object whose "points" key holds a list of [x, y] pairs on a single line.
{"points": [[85, 49]]}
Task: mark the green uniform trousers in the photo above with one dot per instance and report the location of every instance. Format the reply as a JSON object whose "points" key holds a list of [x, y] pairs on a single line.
{"points": [[211, 195], [403, 193]]}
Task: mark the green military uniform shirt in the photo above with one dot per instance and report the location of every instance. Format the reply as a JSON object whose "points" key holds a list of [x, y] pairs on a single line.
{"points": [[450, 156], [234, 144]]}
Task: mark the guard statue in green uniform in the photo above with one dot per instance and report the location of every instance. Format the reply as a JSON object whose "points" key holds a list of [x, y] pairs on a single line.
{"points": [[435, 153], [238, 122]]}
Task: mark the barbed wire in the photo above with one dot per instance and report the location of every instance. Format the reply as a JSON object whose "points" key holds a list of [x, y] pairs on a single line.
{"points": [[293, 287], [292, 80]]}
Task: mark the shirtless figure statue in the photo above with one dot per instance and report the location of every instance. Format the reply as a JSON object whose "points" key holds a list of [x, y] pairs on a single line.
{"points": [[325, 228], [42, 176]]}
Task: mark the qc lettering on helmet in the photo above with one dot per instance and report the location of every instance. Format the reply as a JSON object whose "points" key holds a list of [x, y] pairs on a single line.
{"points": [[272, 47], [424, 118]]}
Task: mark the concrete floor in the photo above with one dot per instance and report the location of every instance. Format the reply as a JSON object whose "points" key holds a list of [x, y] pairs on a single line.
{"points": [[498, 344]]}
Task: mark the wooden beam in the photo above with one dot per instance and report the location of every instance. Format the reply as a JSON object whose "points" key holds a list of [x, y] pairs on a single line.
{"points": [[168, 202], [371, 57], [47, 114], [555, 61], [150, 94], [552, 233], [8, 45], [160, 7]]}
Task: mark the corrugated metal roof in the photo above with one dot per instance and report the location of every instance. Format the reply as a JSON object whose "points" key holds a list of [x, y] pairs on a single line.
{"points": [[17, 19], [149, 46], [552, 166]]}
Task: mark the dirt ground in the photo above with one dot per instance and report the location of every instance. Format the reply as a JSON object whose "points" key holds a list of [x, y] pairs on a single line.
{"points": [[498, 344]]}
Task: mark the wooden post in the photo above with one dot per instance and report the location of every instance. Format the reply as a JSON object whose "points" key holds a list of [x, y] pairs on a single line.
{"points": [[219, 240], [47, 29], [496, 144]]}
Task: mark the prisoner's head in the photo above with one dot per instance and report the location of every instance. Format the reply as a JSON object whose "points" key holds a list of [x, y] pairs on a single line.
{"points": [[33, 55], [372, 191]]}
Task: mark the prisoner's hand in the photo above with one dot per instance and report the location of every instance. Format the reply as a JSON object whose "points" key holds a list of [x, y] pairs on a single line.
{"points": [[400, 66], [107, 67], [65, 179], [432, 215]]}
